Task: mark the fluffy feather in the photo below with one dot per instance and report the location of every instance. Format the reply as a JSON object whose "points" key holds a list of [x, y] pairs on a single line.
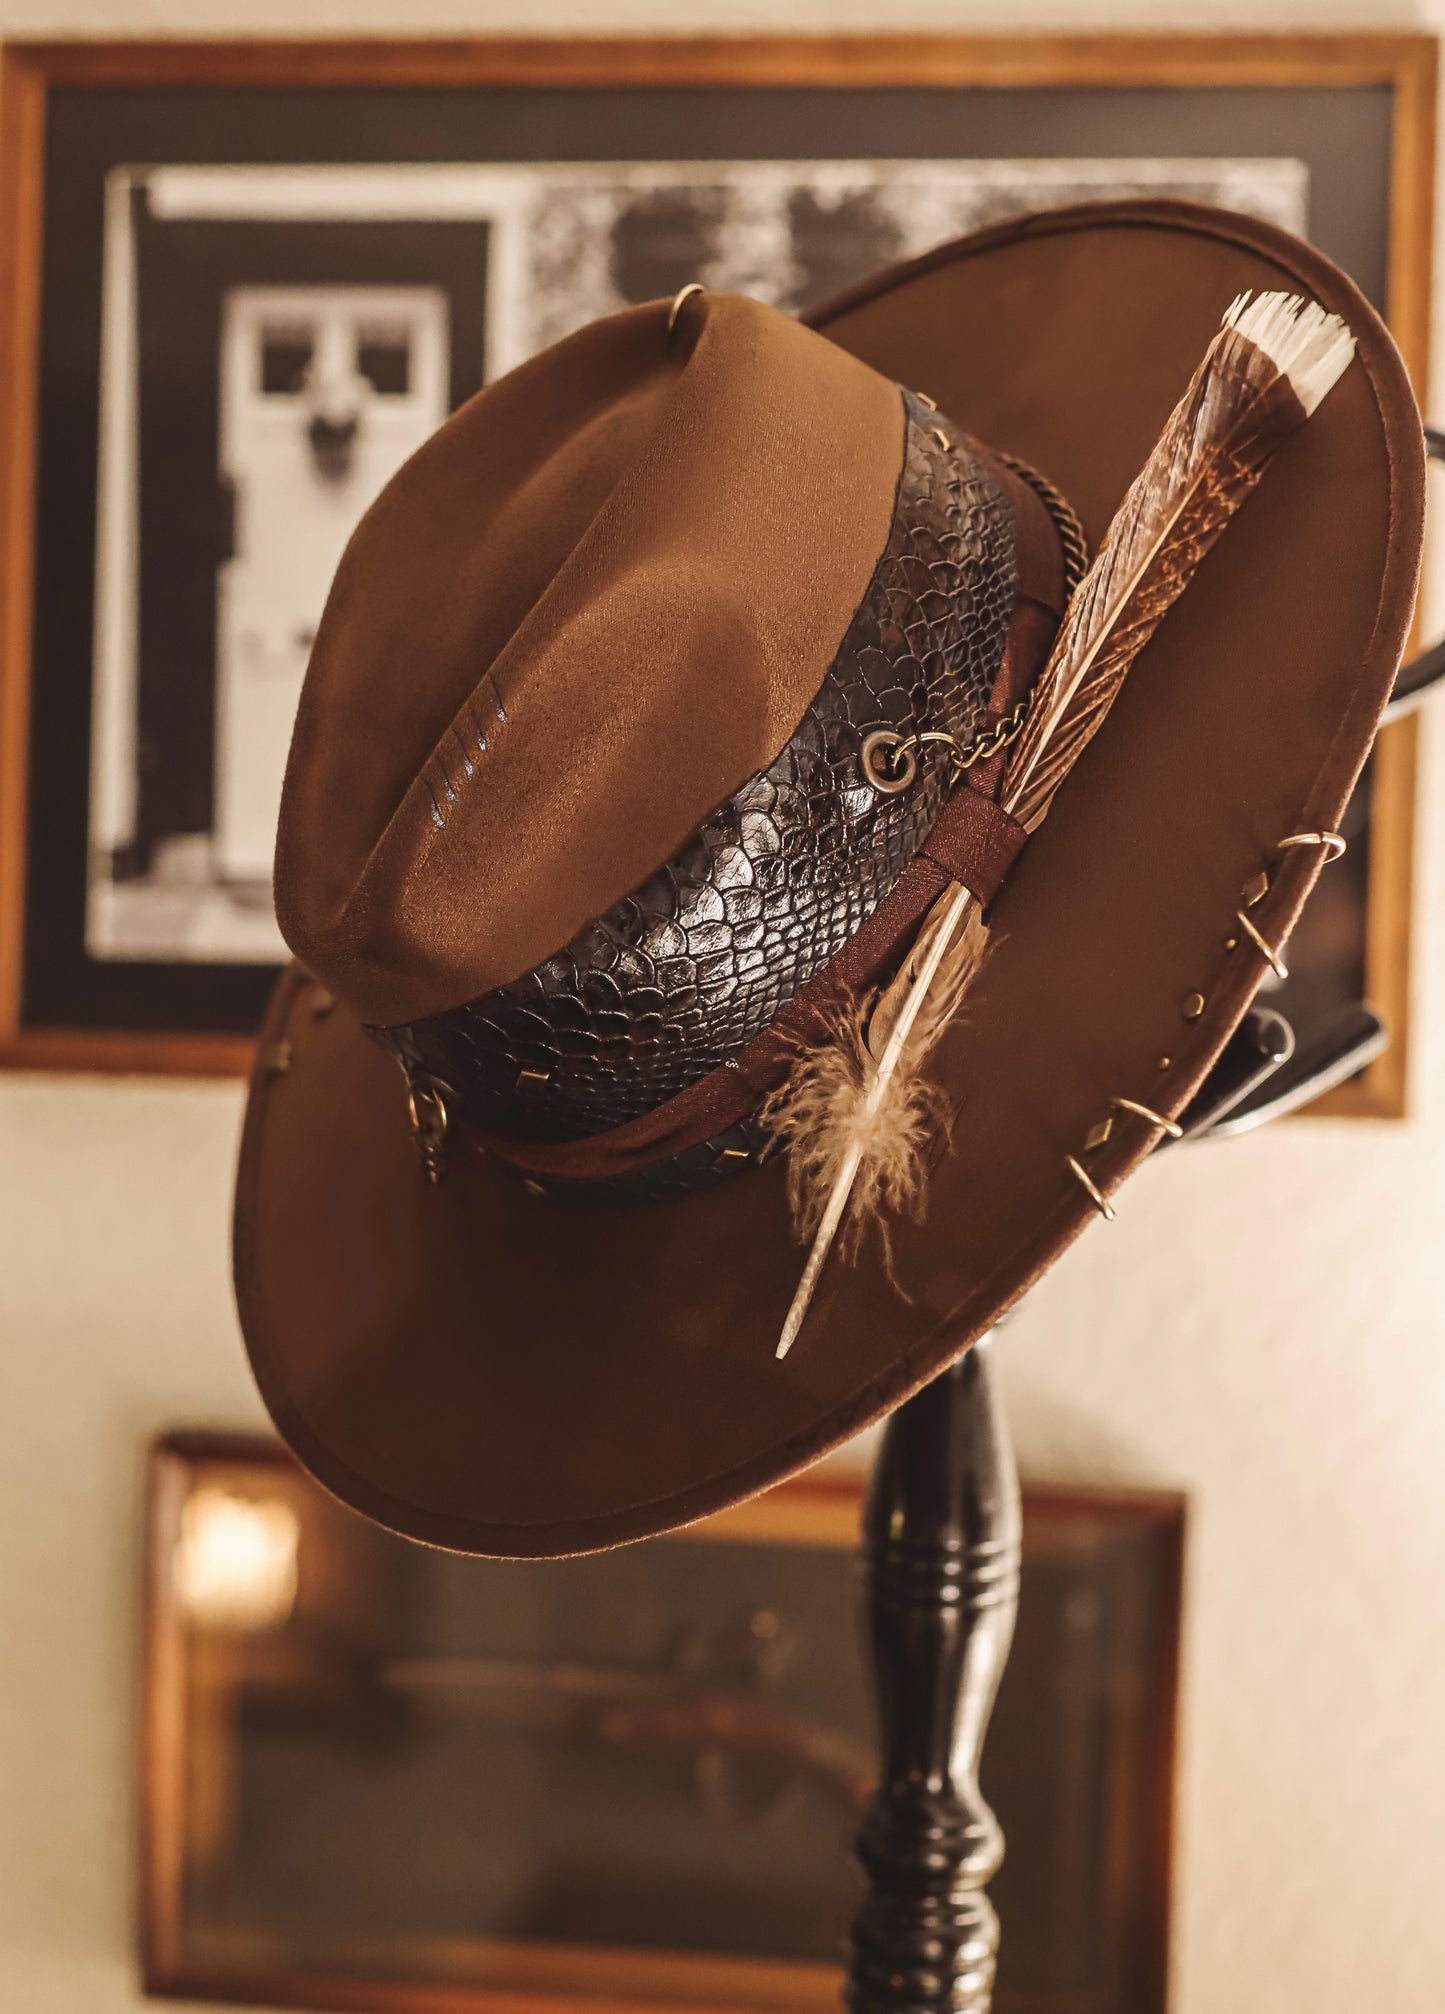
{"points": [[856, 1127], [857, 1113]]}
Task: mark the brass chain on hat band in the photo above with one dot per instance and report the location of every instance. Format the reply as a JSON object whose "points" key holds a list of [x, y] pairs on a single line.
{"points": [[890, 759], [1066, 519]]}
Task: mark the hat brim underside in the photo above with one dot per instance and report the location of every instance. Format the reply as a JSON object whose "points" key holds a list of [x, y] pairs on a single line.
{"points": [[486, 1369]]}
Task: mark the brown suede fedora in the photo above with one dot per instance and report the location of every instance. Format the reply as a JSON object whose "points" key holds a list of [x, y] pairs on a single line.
{"points": [[659, 702]]}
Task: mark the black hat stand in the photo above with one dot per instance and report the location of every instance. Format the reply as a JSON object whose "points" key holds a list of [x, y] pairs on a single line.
{"points": [[941, 1550], [942, 1533]]}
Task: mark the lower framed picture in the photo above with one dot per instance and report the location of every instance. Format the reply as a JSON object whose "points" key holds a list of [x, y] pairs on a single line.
{"points": [[382, 1777]]}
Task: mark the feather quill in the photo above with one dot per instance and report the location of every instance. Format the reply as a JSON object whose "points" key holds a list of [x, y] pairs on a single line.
{"points": [[857, 1114]]}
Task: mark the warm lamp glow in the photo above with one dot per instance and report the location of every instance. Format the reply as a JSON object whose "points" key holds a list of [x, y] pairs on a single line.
{"points": [[234, 1566]]}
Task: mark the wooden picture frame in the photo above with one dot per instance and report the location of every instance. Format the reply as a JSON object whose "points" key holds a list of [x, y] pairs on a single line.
{"points": [[1402, 67], [1110, 1566]]}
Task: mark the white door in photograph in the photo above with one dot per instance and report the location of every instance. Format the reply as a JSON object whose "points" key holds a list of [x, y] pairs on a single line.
{"points": [[325, 391]]}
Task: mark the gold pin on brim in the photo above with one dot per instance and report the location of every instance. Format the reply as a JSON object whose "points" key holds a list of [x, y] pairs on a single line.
{"points": [[1091, 1189], [1169, 1126], [1262, 943]]}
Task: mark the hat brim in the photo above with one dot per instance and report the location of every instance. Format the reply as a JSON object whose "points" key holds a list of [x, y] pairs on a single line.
{"points": [[487, 1369]]}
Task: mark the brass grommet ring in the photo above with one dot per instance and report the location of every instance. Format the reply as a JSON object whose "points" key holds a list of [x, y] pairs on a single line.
{"points": [[1334, 843], [1256, 937], [890, 760], [1091, 1189], [679, 299]]}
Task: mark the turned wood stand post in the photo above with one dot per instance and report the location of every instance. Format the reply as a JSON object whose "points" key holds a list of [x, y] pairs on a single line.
{"points": [[941, 1559], [941, 1547]]}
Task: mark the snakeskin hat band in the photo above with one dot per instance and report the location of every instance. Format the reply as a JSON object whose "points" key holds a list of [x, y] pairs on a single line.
{"points": [[636, 1054], [673, 711]]}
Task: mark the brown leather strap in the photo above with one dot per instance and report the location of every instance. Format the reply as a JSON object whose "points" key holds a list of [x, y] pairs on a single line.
{"points": [[978, 846], [973, 841]]}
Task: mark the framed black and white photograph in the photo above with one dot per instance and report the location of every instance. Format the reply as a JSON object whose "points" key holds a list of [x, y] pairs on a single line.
{"points": [[275, 341], [246, 283]]}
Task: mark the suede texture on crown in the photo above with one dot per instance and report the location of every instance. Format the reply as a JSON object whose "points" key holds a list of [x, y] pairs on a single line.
{"points": [[587, 610]]}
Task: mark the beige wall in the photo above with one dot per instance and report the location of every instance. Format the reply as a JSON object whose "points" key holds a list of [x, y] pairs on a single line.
{"points": [[1262, 1327]]}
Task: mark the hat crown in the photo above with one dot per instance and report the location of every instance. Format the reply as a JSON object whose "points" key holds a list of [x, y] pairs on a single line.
{"points": [[674, 980], [593, 605]]}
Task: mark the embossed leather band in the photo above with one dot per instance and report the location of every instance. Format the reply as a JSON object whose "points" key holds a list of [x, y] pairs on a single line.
{"points": [[974, 841], [918, 647]]}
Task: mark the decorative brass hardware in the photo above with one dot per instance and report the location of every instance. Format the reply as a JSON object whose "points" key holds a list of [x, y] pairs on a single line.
{"points": [[427, 1110], [1091, 1189], [1255, 890], [890, 759], [1252, 930], [1334, 843], [1103, 1129], [683, 295], [1169, 1126]]}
